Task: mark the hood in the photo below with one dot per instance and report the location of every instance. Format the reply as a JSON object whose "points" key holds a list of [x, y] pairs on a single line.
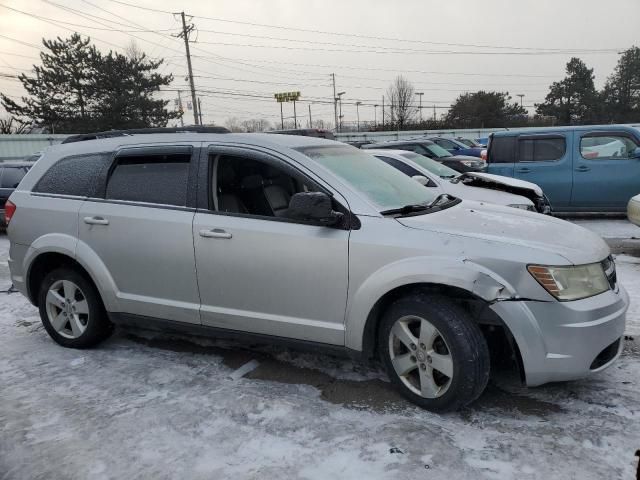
{"points": [[489, 195], [516, 227], [461, 157], [501, 180]]}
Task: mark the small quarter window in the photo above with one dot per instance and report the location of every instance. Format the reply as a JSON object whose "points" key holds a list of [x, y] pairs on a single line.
{"points": [[73, 175], [160, 179]]}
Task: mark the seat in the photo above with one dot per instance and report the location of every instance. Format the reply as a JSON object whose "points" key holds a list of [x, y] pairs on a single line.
{"points": [[228, 199], [277, 196]]}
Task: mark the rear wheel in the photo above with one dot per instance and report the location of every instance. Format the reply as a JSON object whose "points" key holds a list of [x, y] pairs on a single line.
{"points": [[433, 351], [71, 310]]}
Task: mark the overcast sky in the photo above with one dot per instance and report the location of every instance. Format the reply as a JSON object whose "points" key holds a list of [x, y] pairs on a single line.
{"points": [[516, 46]]}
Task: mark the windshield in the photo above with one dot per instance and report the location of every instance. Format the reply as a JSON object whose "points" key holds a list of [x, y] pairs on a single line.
{"points": [[436, 151], [382, 184], [431, 165]]}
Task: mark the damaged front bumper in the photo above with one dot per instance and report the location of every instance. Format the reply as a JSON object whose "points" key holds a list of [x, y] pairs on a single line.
{"points": [[561, 341]]}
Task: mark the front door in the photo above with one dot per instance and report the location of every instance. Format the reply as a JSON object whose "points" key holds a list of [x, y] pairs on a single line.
{"points": [[605, 176], [259, 271], [142, 231]]}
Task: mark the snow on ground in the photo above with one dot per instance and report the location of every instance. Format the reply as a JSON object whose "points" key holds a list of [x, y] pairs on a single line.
{"points": [[156, 407], [610, 228]]}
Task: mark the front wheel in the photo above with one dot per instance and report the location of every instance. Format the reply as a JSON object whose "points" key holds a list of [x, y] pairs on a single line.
{"points": [[434, 352]]}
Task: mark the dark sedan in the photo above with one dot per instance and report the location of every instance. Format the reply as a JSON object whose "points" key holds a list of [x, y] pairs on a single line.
{"points": [[456, 147], [460, 163]]}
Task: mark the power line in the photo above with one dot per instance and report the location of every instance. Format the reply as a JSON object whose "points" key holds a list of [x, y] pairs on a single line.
{"points": [[342, 34]]}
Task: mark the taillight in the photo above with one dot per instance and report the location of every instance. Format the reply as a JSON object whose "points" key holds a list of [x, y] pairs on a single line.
{"points": [[9, 210], [483, 155]]}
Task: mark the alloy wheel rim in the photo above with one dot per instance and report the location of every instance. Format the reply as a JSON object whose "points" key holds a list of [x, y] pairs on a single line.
{"points": [[67, 309], [420, 356]]}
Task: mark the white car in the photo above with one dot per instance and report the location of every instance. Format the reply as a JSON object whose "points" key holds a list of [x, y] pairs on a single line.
{"points": [[482, 187], [633, 210]]}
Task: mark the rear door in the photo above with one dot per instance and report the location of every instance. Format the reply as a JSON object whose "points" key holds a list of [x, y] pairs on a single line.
{"points": [[140, 227], [605, 176], [546, 160]]}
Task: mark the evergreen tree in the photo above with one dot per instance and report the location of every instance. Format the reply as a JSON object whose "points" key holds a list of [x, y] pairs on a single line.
{"points": [[483, 110], [621, 93]]}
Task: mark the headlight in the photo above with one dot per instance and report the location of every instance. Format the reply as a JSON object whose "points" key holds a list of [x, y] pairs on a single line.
{"points": [[571, 282], [522, 206], [470, 163]]}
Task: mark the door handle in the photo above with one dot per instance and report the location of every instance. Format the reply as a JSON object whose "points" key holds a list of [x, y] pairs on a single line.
{"points": [[583, 168], [215, 233], [523, 170], [96, 221]]}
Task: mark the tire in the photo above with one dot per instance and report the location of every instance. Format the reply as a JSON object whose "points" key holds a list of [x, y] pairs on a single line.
{"points": [[450, 342], [80, 323]]}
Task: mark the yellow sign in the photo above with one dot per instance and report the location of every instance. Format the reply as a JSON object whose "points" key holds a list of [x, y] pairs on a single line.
{"points": [[287, 97]]}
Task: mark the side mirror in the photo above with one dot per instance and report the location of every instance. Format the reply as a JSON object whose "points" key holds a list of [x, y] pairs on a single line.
{"points": [[314, 207], [635, 153], [421, 179]]}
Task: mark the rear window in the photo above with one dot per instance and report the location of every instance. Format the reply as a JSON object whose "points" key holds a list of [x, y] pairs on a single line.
{"points": [[160, 179], [541, 149], [502, 150], [11, 176], [73, 175]]}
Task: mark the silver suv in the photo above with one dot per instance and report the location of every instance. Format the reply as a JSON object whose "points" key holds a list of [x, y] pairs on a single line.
{"points": [[315, 243]]}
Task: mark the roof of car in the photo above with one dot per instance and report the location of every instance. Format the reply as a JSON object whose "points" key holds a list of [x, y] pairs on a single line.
{"points": [[563, 129], [388, 151], [399, 142], [257, 139], [16, 164]]}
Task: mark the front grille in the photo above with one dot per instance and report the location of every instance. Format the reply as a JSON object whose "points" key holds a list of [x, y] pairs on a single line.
{"points": [[609, 267], [606, 355]]}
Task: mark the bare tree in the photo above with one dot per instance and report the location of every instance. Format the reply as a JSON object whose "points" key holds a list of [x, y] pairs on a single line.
{"points": [[9, 125], [401, 109], [233, 124], [256, 125], [133, 51]]}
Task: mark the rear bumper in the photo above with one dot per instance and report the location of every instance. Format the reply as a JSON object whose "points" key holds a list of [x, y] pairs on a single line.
{"points": [[561, 341]]}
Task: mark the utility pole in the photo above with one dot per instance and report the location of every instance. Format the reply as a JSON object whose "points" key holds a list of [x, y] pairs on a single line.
{"points": [[200, 111], [375, 115], [420, 107], [310, 121], [295, 116], [185, 35], [340, 116], [181, 110], [335, 101], [281, 117], [358, 115], [382, 111], [521, 95], [434, 113]]}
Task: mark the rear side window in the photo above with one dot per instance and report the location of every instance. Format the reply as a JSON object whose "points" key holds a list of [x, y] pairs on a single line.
{"points": [[11, 176], [158, 179], [73, 175], [502, 150], [541, 149], [398, 165]]}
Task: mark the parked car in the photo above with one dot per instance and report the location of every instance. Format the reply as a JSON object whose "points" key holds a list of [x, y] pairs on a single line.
{"points": [[313, 243], [580, 169], [10, 175], [483, 141], [454, 147], [460, 163], [443, 179], [359, 143], [470, 143], [633, 210]]}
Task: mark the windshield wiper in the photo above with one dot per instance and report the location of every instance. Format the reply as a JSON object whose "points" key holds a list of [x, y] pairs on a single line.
{"points": [[438, 201], [404, 210]]}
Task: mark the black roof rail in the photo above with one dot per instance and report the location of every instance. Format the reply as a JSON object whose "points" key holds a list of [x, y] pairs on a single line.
{"points": [[142, 131]]}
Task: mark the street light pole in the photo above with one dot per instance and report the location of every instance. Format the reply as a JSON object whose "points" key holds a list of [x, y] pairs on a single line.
{"points": [[358, 114], [375, 115], [521, 95], [420, 107]]}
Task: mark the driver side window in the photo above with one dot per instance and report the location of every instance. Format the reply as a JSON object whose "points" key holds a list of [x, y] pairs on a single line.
{"points": [[250, 187]]}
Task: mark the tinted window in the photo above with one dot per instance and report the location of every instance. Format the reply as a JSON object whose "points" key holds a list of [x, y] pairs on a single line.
{"points": [[541, 149], [611, 146], [398, 165], [152, 179], [502, 150], [436, 151], [431, 165], [73, 175], [11, 176], [448, 144]]}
